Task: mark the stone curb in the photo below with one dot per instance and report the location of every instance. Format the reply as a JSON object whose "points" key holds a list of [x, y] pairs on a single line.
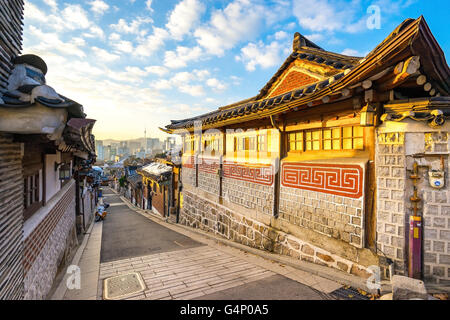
{"points": [[322, 271]]}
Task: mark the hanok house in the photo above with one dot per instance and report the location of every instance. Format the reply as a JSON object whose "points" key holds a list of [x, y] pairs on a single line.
{"points": [[160, 187], [331, 159], [44, 138], [135, 189]]}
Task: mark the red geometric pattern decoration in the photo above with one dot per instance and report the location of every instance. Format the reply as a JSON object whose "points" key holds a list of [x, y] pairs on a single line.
{"points": [[261, 174], [209, 165], [338, 179], [188, 162]]}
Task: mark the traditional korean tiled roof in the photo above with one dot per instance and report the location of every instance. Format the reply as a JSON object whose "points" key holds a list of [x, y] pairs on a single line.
{"points": [[27, 88], [78, 135], [336, 61], [135, 180], [156, 171], [411, 35], [23, 90]]}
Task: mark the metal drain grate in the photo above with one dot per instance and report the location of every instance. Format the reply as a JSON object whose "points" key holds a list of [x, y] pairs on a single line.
{"points": [[123, 286], [346, 293]]}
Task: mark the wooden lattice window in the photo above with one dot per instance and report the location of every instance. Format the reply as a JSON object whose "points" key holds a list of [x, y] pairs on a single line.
{"points": [[189, 144], [261, 143], [340, 138], [296, 141], [254, 143], [31, 190]]}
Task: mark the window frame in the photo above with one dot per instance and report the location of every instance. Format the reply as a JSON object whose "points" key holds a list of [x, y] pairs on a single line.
{"points": [[31, 193], [307, 141]]}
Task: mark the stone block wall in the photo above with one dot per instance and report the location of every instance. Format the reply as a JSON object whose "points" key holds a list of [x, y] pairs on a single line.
{"points": [[249, 195], [208, 175], [436, 207], [49, 244], [198, 212], [392, 218], [396, 154], [332, 215]]}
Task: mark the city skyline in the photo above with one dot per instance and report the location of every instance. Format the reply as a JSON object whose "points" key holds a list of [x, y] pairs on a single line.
{"points": [[116, 150]]}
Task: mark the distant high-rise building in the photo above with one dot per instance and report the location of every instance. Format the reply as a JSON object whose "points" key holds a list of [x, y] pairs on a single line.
{"points": [[99, 149], [107, 153], [134, 146]]}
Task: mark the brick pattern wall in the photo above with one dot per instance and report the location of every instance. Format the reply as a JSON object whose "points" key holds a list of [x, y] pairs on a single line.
{"points": [[11, 17], [48, 245], [293, 80], [201, 213], [332, 215], [158, 201], [250, 195], [391, 213], [11, 219]]}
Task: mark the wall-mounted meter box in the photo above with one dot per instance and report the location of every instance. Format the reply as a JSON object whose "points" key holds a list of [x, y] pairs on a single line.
{"points": [[437, 179]]}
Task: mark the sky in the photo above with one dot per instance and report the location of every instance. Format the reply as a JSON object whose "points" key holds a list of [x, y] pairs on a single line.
{"points": [[137, 64]]}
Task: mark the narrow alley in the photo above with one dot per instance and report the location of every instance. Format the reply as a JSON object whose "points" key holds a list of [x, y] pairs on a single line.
{"points": [[177, 266]]}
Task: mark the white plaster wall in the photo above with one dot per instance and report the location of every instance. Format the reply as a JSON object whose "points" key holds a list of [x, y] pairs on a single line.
{"points": [[52, 183]]}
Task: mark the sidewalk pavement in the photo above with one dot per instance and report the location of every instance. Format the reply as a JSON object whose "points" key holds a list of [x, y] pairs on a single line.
{"points": [[87, 259]]}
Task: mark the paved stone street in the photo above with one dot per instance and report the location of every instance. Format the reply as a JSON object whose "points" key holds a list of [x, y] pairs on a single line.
{"points": [[176, 266]]}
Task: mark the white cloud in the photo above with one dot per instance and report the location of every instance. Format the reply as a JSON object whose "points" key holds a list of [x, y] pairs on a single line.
{"points": [[281, 35], [151, 43], [193, 90], [215, 84], [329, 15], [315, 37], [148, 5], [72, 17], [158, 70], [186, 82], [94, 32], [49, 41], [52, 4], [201, 74], [33, 13], [350, 52], [99, 7], [75, 17], [123, 46], [162, 84], [184, 17], [114, 36], [133, 27], [264, 55], [241, 20], [104, 55], [182, 55]]}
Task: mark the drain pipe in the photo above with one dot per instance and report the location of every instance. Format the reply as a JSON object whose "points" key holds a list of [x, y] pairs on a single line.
{"points": [[277, 173]]}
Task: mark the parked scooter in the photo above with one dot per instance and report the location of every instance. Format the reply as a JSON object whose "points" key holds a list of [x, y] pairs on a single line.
{"points": [[101, 212]]}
